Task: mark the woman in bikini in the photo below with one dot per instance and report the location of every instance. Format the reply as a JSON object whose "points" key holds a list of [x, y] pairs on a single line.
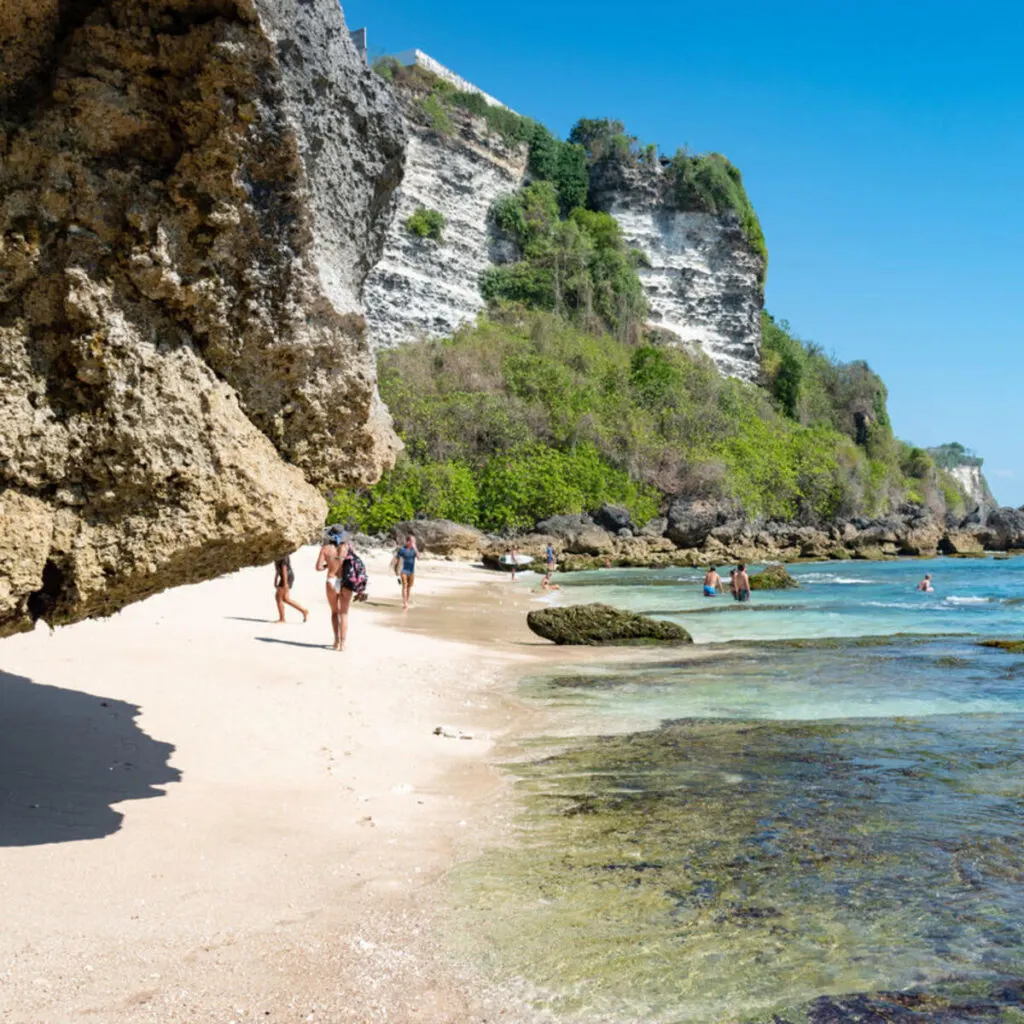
{"points": [[332, 558]]}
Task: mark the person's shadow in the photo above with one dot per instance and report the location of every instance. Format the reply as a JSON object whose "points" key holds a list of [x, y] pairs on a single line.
{"points": [[65, 757]]}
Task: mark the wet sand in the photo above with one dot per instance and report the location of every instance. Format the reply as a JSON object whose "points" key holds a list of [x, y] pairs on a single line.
{"points": [[205, 816]]}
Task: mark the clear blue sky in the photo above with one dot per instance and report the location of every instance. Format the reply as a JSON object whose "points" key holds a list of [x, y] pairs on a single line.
{"points": [[881, 143]]}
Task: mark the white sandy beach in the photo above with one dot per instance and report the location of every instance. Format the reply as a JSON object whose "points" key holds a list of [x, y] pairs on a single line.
{"points": [[205, 816]]}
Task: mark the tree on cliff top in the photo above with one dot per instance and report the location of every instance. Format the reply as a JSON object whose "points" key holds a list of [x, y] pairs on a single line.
{"points": [[579, 267]]}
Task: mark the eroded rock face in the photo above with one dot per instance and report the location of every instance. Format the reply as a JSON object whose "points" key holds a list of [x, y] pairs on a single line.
{"points": [[702, 280], [975, 487], [428, 289], [191, 195]]}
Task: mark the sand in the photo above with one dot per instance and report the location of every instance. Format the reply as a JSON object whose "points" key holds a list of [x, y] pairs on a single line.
{"points": [[205, 816]]}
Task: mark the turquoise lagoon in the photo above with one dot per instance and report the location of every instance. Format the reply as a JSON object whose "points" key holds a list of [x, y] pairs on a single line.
{"points": [[828, 800]]}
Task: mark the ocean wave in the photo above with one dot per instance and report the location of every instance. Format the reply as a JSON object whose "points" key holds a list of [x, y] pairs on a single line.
{"points": [[900, 604], [829, 577], [967, 600]]}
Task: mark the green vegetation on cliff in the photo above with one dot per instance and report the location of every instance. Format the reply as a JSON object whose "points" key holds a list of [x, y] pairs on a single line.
{"points": [[426, 223], [579, 267], [703, 183], [525, 415], [953, 454], [818, 391]]}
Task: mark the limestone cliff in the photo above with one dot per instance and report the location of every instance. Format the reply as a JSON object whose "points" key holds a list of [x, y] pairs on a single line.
{"points": [[702, 279], [975, 487], [427, 289], [191, 195], [965, 469]]}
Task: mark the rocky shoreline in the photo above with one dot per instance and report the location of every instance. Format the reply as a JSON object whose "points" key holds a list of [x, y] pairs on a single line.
{"points": [[696, 533]]}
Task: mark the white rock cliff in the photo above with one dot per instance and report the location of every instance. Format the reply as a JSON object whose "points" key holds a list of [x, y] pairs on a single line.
{"points": [[427, 289], [702, 280]]}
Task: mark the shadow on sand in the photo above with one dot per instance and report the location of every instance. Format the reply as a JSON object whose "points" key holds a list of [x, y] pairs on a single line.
{"points": [[291, 643], [65, 758]]}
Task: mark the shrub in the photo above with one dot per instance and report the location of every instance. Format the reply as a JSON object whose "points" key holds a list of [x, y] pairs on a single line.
{"points": [[347, 509], [603, 138], [579, 267], [387, 68], [444, 490], [426, 223], [519, 487], [436, 115]]}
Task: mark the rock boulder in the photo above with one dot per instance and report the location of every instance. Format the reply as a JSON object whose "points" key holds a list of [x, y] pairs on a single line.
{"points": [[597, 624], [439, 536], [962, 542], [1004, 529], [690, 521], [773, 577], [614, 518]]}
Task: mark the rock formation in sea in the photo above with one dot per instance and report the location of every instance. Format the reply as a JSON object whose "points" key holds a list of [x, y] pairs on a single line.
{"points": [[702, 278], [191, 196], [592, 625], [426, 288]]}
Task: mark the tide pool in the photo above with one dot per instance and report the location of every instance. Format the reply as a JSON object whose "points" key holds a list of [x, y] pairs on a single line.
{"points": [[830, 800]]}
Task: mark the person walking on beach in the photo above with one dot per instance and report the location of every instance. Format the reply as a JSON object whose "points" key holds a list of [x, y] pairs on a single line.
{"points": [[331, 559], [712, 582], [741, 583], [404, 563], [549, 558], [513, 557], [284, 580], [926, 584]]}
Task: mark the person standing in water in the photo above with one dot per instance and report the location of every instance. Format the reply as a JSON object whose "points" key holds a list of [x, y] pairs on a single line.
{"points": [[284, 580], [926, 584], [549, 558], [405, 563], [741, 583], [712, 582], [331, 559]]}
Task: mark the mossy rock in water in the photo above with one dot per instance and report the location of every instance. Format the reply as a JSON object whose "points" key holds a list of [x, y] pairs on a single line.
{"points": [[1013, 646], [595, 624], [774, 577]]}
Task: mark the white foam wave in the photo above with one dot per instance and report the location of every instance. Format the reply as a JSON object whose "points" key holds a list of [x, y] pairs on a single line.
{"points": [[829, 577], [967, 600]]}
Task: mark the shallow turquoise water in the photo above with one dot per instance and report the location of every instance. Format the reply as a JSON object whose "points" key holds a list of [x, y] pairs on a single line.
{"points": [[836, 599], [780, 820]]}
